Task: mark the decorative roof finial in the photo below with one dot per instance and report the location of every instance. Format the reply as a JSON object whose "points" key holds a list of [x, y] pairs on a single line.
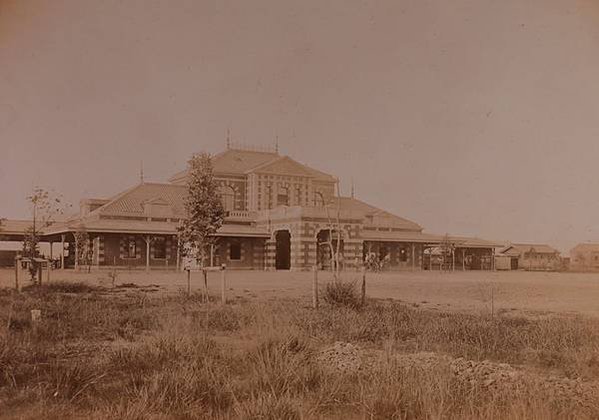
{"points": [[277, 144], [352, 188], [228, 138], [141, 172]]}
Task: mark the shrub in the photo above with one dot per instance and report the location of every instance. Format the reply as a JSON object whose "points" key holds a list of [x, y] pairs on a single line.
{"points": [[338, 293]]}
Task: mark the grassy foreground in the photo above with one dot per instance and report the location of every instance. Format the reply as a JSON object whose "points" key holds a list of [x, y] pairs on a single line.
{"points": [[102, 354]]}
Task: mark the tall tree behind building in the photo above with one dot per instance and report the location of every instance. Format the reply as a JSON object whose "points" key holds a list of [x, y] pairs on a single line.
{"points": [[204, 208]]}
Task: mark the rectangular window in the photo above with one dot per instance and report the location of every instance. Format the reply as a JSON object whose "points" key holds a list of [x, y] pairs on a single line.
{"points": [[160, 248], [131, 248], [235, 252], [282, 199]]}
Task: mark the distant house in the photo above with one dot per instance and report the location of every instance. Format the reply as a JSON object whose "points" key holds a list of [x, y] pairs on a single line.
{"points": [[585, 257], [532, 257]]}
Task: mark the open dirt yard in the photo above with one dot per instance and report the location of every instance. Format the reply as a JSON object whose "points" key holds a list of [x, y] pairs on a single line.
{"points": [[476, 292], [423, 345]]}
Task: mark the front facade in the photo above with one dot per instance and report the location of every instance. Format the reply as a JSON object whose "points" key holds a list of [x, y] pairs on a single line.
{"points": [[532, 257], [585, 257], [281, 215]]}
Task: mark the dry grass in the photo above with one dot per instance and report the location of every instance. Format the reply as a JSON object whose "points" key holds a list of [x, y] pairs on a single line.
{"points": [[101, 355]]}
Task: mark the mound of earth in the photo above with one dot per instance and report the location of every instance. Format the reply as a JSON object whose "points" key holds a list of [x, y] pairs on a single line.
{"points": [[342, 357], [349, 358]]}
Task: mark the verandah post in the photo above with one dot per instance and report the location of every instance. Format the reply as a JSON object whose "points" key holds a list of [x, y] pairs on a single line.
{"points": [[62, 238], [148, 241]]}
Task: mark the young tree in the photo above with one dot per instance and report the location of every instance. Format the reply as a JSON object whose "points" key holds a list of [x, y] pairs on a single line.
{"points": [[447, 249], [83, 248], [204, 208], [45, 207], [335, 236]]}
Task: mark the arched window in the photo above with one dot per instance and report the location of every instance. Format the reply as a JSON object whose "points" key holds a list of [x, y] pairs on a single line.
{"points": [[227, 196], [318, 200], [298, 196], [283, 196]]}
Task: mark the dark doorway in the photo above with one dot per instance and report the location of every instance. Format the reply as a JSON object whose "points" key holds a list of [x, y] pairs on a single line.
{"points": [[514, 263], [283, 256]]}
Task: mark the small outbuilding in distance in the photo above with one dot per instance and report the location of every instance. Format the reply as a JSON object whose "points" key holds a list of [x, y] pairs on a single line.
{"points": [[531, 257]]}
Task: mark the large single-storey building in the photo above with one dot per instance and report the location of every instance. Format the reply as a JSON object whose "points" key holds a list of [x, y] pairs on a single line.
{"points": [[280, 214]]}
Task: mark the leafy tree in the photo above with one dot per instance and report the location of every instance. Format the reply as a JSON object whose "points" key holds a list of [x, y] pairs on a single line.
{"points": [[83, 248], [204, 208], [45, 207]]}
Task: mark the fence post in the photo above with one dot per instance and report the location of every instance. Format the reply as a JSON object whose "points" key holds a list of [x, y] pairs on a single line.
{"points": [[223, 284], [188, 282], [363, 285], [205, 274], [48, 272], [17, 270], [315, 287]]}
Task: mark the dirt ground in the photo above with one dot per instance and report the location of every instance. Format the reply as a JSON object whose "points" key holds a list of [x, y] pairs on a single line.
{"points": [[530, 293]]}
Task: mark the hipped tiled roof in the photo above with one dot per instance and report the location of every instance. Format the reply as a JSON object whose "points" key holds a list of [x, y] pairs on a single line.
{"points": [[240, 162], [353, 204], [131, 202]]}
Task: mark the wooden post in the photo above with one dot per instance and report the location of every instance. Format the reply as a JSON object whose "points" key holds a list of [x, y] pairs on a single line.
{"points": [[51, 246], [39, 273], [48, 272], [453, 260], [363, 286], [178, 253], [223, 284], [148, 240], [211, 255], [76, 254], [188, 282], [430, 259], [315, 287], [205, 273], [62, 252], [17, 272], [463, 259], [413, 257]]}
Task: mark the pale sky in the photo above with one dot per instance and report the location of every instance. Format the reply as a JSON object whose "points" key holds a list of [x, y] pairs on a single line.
{"points": [[473, 117]]}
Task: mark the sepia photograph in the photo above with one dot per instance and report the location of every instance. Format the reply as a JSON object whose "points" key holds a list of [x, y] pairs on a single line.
{"points": [[299, 209]]}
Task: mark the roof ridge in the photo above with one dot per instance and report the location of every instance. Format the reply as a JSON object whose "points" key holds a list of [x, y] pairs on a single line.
{"points": [[270, 162]]}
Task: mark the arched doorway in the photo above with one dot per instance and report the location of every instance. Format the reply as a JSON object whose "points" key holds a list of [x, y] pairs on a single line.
{"points": [[283, 250]]}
